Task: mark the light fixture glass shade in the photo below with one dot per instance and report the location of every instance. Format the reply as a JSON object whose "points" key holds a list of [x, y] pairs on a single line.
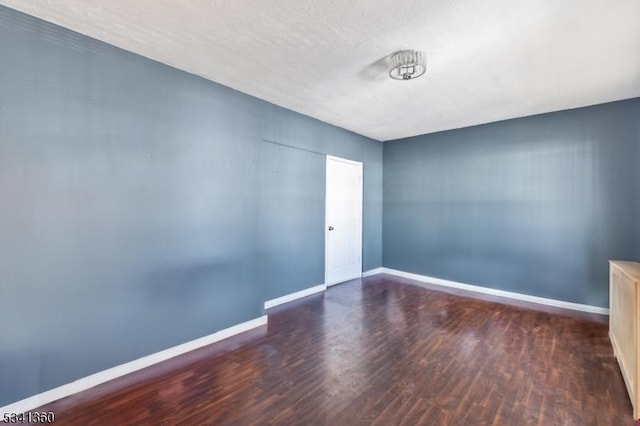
{"points": [[407, 64]]}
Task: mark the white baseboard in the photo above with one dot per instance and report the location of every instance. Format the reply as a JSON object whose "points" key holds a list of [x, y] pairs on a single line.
{"points": [[29, 404], [495, 292], [294, 296], [370, 272]]}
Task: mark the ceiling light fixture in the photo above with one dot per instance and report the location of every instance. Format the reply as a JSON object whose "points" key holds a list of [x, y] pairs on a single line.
{"points": [[407, 65]]}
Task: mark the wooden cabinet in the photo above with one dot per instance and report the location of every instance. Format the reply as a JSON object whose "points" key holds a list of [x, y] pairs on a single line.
{"points": [[624, 303]]}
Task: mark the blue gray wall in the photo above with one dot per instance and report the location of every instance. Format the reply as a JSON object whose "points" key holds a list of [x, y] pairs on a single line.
{"points": [[141, 208], [535, 205]]}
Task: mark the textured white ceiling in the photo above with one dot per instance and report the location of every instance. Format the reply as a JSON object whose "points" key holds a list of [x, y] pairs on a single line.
{"points": [[487, 60]]}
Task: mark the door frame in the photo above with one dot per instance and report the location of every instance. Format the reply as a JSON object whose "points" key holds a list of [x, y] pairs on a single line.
{"points": [[360, 165]]}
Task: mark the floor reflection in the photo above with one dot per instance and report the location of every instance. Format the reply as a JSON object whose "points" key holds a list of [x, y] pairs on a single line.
{"points": [[383, 351]]}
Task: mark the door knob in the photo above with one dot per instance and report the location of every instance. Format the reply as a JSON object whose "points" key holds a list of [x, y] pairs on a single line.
{"points": [[331, 228]]}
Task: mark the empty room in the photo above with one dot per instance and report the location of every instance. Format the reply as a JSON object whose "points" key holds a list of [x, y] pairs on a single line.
{"points": [[313, 212]]}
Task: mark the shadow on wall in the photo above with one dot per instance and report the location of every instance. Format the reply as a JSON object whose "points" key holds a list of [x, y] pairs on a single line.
{"points": [[190, 281], [202, 288]]}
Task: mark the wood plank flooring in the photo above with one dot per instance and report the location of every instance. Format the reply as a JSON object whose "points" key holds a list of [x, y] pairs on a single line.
{"points": [[379, 351]]}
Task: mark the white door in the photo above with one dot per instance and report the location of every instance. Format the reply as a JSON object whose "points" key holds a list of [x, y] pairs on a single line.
{"points": [[343, 220]]}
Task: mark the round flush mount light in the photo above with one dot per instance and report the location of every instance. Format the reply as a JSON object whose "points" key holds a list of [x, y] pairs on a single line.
{"points": [[407, 65]]}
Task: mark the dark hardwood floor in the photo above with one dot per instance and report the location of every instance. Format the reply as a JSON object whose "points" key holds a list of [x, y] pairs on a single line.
{"points": [[379, 351]]}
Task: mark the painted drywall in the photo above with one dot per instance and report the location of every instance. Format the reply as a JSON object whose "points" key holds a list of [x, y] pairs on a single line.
{"points": [[291, 206], [141, 208], [535, 205]]}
